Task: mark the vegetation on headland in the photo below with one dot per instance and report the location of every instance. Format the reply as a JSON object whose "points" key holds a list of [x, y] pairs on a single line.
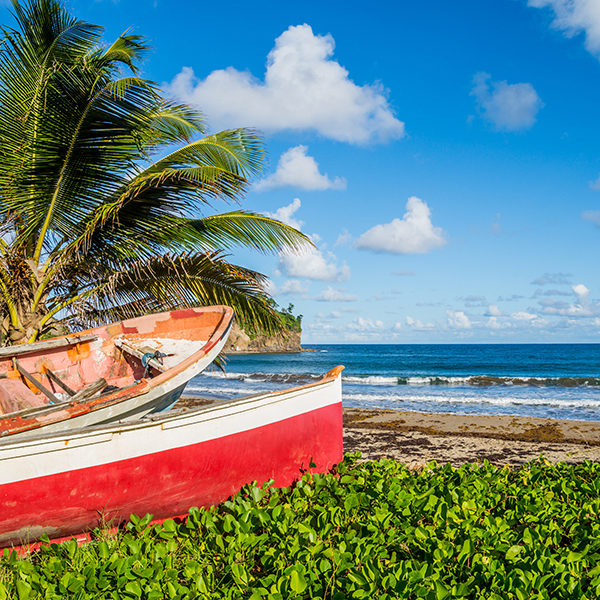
{"points": [[102, 181], [288, 321], [371, 530]]}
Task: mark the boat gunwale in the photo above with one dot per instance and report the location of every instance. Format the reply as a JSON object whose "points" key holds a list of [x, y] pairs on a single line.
{"points": [[140, 387], [158, 420]]}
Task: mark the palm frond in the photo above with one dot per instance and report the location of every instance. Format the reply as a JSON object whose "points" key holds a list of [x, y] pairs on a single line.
{"points": [[245, 228]]}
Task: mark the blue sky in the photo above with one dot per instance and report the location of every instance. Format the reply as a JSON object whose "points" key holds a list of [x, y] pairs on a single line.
{"points": [[444, 157]]}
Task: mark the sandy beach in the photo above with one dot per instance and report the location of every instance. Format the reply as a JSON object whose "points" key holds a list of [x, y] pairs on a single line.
{"points": [[417, 438]]}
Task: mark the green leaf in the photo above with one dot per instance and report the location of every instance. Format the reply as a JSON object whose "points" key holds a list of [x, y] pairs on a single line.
{"points": [[297, 582], [351, 501], [23, 590], [513, 552]]}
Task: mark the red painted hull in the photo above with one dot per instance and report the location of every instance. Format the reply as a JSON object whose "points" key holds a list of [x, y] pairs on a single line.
{"points": [[168, 482]]}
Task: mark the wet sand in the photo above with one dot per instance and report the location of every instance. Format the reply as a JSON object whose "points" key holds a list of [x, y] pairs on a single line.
{"points": [[418, 438]]}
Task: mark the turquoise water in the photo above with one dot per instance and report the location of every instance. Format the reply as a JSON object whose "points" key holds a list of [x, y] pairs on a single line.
{"points": [[541, 380]]}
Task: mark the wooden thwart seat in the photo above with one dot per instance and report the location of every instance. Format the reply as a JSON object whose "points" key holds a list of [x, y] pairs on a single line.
{"points": [[86, 392], [71, 340]]}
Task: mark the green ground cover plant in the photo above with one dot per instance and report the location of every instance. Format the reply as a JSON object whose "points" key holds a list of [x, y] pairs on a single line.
{"points": [[371, 530]]}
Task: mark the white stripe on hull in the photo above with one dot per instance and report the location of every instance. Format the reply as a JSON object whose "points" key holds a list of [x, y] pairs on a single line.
{"points": [[48, 455]]}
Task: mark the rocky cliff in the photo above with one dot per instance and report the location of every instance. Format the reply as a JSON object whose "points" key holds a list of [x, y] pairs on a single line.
{"points": [[240, 341]]}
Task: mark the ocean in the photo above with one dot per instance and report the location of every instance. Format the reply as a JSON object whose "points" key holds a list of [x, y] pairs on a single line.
{"points": [[560, 381]]}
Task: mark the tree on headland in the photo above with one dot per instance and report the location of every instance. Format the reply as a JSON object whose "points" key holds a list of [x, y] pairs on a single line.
{"points": [[101, 184]]}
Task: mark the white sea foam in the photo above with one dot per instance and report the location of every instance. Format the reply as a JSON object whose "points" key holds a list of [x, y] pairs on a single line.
{"points": [[371, 380], [426, 399]]}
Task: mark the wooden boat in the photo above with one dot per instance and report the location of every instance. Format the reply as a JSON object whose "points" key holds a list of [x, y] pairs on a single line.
{"points": [[66, 484], [120, 371]]}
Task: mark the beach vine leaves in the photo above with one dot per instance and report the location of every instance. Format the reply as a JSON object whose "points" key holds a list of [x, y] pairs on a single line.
{"points": [[379, 531]]}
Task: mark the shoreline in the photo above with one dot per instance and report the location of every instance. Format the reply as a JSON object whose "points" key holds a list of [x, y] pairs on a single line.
{"points": [[416, 438]]}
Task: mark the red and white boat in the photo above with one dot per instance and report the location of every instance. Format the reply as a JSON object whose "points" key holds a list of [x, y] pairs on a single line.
{"points": [[67, 484], [120, 371]]}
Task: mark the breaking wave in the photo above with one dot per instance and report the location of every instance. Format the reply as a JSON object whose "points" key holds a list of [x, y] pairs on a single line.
{"points": [[479, 381]]}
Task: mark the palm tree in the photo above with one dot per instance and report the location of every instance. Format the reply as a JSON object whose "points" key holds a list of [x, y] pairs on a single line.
{"points": [[102, 181]]}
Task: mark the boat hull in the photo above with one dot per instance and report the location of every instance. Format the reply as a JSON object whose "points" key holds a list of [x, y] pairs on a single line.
{"points": [[65, 485], [197, 334]]}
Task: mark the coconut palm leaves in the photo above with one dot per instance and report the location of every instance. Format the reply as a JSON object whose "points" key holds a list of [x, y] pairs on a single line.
{"points": [[101, 184]]}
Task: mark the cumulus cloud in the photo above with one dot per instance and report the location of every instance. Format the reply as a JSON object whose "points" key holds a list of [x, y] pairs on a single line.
{"points": [[343, 238], [458, 320], [296, 169], [291, 287], [361, 324], [303, 89], [553, 278], [509, 107], [523, 316], [335, 295], [595, 185], [417, 324], [593, 216], [285, 214], [313, 264], [493, 323], [583, 307], [574, 17], [493, 311], [413, 234]]}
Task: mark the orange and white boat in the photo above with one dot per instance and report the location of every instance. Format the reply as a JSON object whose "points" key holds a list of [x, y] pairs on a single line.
{"points": [[119, 371]]}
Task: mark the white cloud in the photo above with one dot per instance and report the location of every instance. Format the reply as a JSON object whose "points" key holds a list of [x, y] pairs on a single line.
{"points": [[510, 107], [583, 307], [312, 264], [574, 17], [494, 311], [303, 89], [296, 169], [285, 214], [581, 291], [343, 238], [458, 319], [403, 273], [523, 316], [593, 216], [417, 324], [333, 295], [595, 185], [361, 324], [413, 234], [493, 324], [291, 287]]}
